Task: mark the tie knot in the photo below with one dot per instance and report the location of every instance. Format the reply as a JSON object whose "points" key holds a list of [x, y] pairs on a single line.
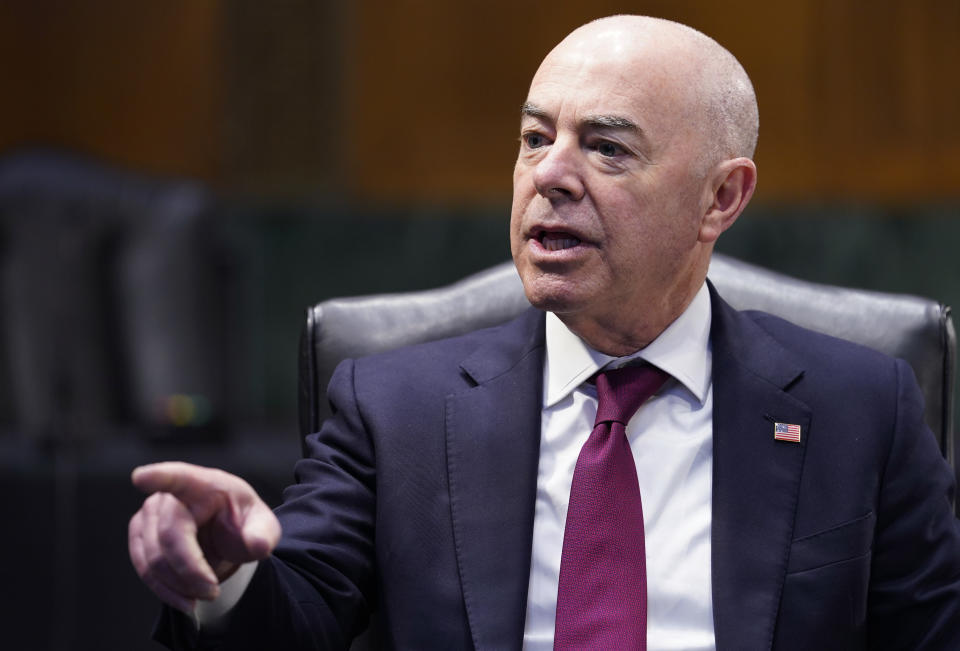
{"points": [[620, 392]]}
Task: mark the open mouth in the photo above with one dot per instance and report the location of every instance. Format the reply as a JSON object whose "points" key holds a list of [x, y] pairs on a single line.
{"points": [[557, 241]]}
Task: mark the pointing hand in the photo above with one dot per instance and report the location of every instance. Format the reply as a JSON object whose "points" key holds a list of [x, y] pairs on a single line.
{"points": [[195, 529]]}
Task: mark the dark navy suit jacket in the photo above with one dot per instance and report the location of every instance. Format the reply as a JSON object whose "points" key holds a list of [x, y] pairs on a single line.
{"points": [[417, 500]]}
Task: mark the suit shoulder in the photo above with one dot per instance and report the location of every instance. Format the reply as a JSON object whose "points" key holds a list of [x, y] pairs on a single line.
{"points": [[442, 357], [776, 348], [806, 342]]}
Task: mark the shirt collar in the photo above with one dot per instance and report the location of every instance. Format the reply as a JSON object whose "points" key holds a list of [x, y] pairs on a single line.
{"points": [[682, 350]]}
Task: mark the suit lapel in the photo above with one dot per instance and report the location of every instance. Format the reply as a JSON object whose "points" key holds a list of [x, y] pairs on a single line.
{"points": [[493, 439], [493, 445], [756, 478]]}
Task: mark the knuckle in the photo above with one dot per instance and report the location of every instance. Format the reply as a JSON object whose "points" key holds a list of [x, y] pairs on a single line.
{"points": [[182, 568], [170, 538], [155, 503]]}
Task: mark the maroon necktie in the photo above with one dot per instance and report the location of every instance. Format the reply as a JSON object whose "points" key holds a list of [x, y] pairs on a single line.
{"points": [[602, 596]]}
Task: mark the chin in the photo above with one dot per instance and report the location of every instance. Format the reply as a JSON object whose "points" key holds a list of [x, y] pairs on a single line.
{"points": [[553, 294]]}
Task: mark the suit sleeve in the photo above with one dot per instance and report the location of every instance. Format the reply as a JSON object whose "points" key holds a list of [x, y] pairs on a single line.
{"points": [[914, 600], [316, 590]]}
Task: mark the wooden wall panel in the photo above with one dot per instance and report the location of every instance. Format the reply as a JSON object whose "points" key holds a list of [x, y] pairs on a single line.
{"points": [[283, 114], [858, 99], [417, 100], [884, 96], [139, 83]]}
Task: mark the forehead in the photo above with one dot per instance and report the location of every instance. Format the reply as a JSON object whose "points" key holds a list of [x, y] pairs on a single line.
{"points": [[636, 83]]}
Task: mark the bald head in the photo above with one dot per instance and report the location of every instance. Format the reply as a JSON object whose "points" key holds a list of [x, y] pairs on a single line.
{"points": [[635, 155], [701, 79]]}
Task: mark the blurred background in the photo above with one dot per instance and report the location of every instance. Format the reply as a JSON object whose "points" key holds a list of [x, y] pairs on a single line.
{"points": [[179, 179]]}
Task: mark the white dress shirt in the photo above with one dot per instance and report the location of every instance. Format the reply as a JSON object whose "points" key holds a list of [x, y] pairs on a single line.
{"points": [[671, 437]]}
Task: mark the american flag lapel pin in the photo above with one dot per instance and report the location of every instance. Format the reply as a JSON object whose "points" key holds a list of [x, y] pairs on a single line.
{"points": [[786, 432]]}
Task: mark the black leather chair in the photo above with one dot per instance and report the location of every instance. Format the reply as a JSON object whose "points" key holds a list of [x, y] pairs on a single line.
{"points": [[915, 329]]}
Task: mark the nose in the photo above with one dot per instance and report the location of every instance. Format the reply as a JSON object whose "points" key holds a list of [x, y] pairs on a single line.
{"points": [[558, 173]]}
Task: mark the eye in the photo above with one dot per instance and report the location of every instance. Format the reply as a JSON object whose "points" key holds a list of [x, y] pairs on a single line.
{"points": [[533, 140], [609, 149]]}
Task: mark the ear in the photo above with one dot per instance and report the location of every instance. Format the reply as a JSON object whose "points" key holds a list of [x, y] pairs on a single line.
{"points": [[732, 184]]}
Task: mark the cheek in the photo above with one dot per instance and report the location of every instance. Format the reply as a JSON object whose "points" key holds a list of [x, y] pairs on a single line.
{"points": [[685, 191], [516, 227], [643, 232], [514, 235], [522, 177], [523, 194]]}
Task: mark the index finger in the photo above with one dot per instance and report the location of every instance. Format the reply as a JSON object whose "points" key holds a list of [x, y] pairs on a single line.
{"points": [[186, 481]]}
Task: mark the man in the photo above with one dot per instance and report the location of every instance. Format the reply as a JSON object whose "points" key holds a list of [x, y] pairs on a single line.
{"points": [[437, 495]]}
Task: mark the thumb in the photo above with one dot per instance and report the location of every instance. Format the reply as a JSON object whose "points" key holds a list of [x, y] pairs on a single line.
{"points": [[261, 531]]}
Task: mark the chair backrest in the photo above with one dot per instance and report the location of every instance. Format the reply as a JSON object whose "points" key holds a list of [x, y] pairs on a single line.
{"points": [[915, 329]]}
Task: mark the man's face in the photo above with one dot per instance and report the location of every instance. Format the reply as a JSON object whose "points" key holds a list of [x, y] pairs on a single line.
{"points": [[607, 190]]}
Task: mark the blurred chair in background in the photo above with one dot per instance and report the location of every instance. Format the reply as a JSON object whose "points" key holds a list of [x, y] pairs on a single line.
{"points": [[113, 298], [115, 292]]}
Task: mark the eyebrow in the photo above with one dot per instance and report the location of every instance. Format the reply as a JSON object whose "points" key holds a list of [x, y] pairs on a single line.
{"points": [[532, 110], [611, 122], [596, 121]]}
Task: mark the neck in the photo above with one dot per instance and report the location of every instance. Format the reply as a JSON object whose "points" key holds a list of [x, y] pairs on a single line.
{"points": [[626, 331]]}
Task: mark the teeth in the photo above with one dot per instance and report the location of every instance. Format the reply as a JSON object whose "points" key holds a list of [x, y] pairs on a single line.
{"points": [[554, 242], [557, 245]]}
